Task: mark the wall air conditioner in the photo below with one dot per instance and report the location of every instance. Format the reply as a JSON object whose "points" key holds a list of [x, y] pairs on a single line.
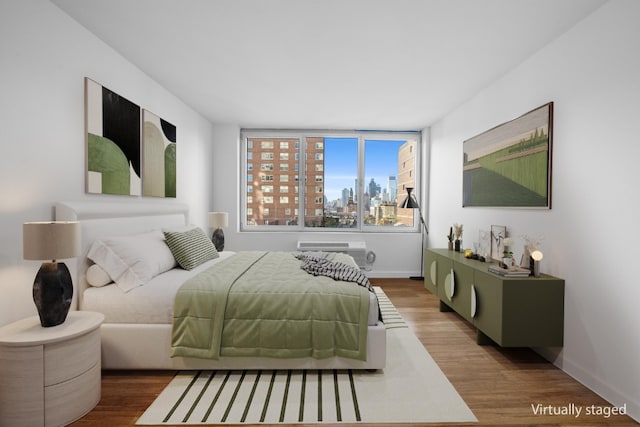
{"points": [[357, 250]]}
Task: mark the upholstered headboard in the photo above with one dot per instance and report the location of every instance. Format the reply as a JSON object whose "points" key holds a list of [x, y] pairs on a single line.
{"points": [[107, 219]]}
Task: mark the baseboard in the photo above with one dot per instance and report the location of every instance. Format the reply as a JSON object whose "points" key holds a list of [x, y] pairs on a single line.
{"points": [[391, 274], [586, 378]]}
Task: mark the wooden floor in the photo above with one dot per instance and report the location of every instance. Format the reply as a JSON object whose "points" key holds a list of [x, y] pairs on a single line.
{"points": [[501, 386]]}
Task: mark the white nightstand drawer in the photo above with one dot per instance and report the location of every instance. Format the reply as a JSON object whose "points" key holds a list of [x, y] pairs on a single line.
{"points": [[49, 376], [67, 401], [66, 360], [21, 392]]}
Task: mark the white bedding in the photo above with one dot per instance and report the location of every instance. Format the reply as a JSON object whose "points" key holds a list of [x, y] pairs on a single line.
{"points": [[152, 303]]}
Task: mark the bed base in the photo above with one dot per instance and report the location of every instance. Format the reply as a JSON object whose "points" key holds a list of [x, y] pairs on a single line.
{"points": [[129, 346]]}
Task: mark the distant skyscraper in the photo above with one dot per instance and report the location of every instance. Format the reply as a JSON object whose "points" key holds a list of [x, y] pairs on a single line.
{"points": [[392, 188], [345, 197], [374, 188], [355, 196]]}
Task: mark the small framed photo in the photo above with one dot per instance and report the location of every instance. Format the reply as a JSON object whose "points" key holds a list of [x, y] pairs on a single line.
{"points": [[498, 234]]}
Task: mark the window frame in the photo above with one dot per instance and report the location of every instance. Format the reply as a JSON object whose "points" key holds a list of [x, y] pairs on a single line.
{"points": [[300, 171]]}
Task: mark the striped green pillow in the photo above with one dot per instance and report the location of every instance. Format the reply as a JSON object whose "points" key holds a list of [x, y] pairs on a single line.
{"points": [[190, 248]]}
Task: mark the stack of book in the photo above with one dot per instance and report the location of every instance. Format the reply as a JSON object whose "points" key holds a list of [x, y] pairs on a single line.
{"points": [[510, 272]]}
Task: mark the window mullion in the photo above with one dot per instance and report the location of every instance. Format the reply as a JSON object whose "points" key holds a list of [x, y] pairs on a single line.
{"points": [[302, 181], [360, 190]]}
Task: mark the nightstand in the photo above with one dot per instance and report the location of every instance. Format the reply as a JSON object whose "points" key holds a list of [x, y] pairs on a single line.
{"points": [[49, 376]]}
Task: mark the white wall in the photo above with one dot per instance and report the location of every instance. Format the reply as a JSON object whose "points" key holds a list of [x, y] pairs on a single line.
{"points": [[397, 254], [45, 56], [592, 73]]}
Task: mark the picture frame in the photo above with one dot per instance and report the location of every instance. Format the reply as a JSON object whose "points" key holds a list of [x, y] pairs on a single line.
{"points": [[498, 234], [112, 141], [158, 156], [510, 164]]}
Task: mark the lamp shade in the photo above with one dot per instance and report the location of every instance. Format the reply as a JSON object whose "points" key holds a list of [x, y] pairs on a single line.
{"points": [[410, 202], [218, 219], [51, 240], [536, 255]]}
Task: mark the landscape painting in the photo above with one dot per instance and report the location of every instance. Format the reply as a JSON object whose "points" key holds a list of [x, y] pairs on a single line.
{"points": [[158, 156], [510, 165], [112, 142]]}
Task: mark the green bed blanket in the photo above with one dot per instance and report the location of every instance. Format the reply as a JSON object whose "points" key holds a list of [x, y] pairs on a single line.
{"points": [[262, 304]]}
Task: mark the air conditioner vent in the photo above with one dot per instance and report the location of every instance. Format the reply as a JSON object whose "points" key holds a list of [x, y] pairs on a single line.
{"points": [[357, 250]]}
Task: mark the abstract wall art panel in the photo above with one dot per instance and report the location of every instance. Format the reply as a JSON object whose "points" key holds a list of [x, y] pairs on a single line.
{"points": [[510, 165], [158, 156], [112, 142]]}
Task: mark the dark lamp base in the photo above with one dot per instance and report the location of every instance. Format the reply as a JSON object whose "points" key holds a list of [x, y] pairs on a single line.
{"points": [[52, 293], [218, 239]]}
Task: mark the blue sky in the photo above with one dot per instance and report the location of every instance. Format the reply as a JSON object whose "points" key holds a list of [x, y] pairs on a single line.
{"points": [[341, 163]]}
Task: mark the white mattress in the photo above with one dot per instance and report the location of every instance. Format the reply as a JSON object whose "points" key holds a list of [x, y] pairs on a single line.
{"points": [[152, 303]]}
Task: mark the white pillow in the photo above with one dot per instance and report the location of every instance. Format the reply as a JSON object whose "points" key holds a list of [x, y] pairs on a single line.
{"points": [[97, 277], [132, 261]]}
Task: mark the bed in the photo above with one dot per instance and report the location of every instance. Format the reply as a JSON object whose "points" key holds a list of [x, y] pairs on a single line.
{"points": [[137, 332]]}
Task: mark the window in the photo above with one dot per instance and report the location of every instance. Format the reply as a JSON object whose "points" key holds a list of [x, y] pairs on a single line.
{"points": [[385, 185], [352, 181]]}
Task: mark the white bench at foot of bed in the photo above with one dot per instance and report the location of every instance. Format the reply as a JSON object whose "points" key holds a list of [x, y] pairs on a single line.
{"points": [[126, 346]]}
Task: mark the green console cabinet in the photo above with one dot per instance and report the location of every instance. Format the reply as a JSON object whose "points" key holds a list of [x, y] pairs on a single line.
{"points": [[510, 311]]}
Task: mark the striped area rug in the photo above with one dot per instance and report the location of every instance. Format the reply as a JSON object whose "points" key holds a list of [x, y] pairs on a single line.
{"points": [[410, 389]]}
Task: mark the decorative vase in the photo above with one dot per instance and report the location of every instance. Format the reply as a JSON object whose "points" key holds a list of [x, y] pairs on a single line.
{"points": [[458, 244], [450, 246], [52, 293], [218, 239]]}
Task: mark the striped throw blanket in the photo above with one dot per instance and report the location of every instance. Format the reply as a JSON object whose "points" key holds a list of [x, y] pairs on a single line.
{"points": [[322, 265]]}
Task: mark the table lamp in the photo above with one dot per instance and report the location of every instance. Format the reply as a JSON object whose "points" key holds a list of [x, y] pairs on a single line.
{"points": [[52, 287], [217, 220], [536, 256]]}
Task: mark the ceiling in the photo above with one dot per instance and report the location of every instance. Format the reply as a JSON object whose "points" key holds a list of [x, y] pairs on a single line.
{"points": [[326, 64]]}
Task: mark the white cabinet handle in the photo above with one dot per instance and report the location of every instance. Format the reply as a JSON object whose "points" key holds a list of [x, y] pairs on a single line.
{"points": [[450, 285], [434, 273], [474, 302], [453, 284]]}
